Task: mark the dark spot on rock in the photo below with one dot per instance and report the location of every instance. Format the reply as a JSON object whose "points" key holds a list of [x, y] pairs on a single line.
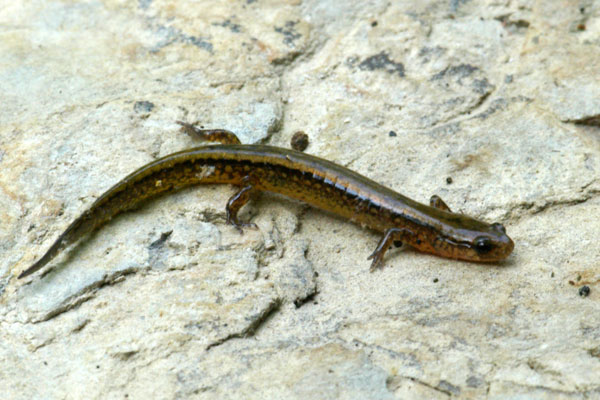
{"points": [[584, 291], [161, 240], [521, 23], [382, 61], [581, 27], [459, 71], [374, 24], [143, 107], [497, 104], [289, 32], [435, 280], [449, 180], [198, 42], [299, 302], [168, 35], [392, 134], [512, 24], [449, 388], [228, 24]]}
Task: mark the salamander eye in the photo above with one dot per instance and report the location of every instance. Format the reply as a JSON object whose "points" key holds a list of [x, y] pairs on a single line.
{"points": [[483, 244], [498, 227]]}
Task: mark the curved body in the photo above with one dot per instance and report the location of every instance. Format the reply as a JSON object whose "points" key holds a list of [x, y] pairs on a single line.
{"points": [[318, 182]]}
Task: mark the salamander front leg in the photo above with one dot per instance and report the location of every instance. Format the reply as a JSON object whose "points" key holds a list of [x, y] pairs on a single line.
{"points": [[389, 237], [234, 204], [437, 202]]}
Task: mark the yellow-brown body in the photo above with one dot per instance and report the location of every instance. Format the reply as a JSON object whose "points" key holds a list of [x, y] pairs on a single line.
{"points": [[318, 182]]}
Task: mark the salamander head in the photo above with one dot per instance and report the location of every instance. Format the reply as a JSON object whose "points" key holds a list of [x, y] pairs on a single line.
{"points": [[473, 240], [493, 245]]}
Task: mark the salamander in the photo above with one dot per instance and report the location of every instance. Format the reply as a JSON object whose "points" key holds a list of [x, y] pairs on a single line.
{"points": [[432, 228]]}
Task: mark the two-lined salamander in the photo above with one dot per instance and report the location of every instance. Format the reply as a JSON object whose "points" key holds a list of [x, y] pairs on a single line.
{"points": [[253, 168]]}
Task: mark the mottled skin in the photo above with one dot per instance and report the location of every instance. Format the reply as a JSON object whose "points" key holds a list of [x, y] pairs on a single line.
{"points": [[318, 182]]}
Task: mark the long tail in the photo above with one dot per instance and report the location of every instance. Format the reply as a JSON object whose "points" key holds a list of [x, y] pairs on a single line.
{"points": [[67, 237], [168, 174]]}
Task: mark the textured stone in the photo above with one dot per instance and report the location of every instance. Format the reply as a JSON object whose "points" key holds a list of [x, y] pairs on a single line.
{"points": [[169, 302]]}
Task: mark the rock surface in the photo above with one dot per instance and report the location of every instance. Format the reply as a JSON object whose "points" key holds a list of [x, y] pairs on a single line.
{"points": [[170, 302]]}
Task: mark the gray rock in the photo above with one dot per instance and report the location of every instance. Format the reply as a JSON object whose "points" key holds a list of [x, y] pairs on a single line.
{"points": [[494, 107]]}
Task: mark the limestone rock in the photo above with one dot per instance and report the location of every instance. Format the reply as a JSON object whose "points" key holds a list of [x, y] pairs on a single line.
{"points": [[491, 105]]}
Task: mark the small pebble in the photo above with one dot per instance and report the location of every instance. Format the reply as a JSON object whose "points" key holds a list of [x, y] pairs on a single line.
{"points": [[299, 141]]}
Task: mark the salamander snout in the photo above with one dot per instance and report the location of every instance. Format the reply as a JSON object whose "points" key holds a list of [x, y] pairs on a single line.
{"points": [[493, 246]]}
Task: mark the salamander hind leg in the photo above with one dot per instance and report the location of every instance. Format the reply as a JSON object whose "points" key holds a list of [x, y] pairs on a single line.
{"points": [[390, 236], [222, 136], [437, 202], [234, 204]]}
